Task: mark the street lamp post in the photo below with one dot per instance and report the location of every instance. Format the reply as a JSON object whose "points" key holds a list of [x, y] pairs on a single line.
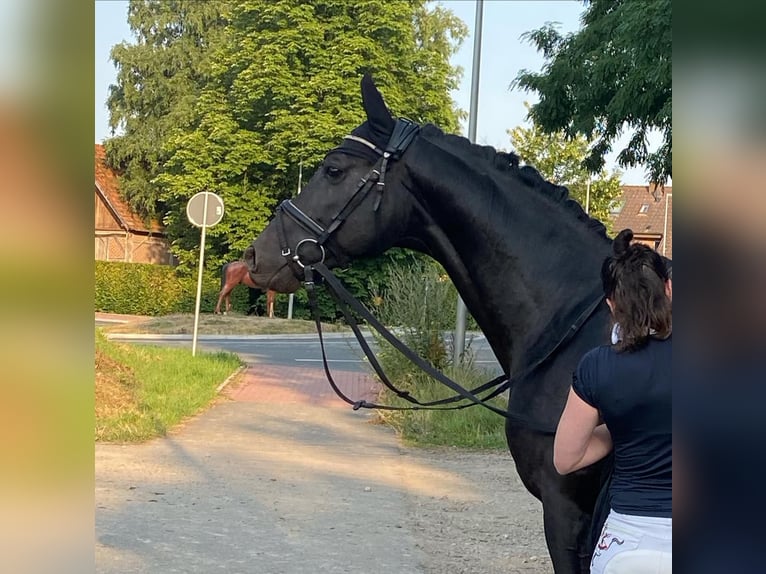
{"points": [[459, 338]]}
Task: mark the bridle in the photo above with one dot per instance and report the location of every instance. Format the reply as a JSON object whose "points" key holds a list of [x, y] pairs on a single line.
{"points": [[402, 135]]}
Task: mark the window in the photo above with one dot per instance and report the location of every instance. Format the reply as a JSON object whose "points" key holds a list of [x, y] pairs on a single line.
{"points": [[644, 208], [616, 206]]}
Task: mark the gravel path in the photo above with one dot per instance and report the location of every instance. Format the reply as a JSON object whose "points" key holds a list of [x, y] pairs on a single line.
{"points": [[287, 486], [496, 527]]}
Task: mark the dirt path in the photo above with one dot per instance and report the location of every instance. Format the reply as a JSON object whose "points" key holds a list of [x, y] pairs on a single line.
{"points": [[273, 483], [496, 529]]}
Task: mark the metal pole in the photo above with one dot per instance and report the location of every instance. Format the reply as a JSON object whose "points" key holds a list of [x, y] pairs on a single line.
{"points": [[290, 300], [459, 339], [291, 297], [587, 198], [199, 276]]}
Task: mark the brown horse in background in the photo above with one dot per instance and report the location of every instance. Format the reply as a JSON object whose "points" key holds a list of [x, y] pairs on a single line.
{"points": [[232, 274]]}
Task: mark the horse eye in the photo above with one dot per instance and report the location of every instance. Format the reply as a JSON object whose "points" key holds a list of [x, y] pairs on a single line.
{"points": [[333, 172]]}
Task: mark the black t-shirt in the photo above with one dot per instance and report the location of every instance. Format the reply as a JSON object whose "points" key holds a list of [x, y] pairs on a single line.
{"points": [[632, 392]]}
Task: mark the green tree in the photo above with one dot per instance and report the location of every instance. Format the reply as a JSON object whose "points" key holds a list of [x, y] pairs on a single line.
{"points": [[284, 89], [610, 77], [560, 160], [159, 78]]}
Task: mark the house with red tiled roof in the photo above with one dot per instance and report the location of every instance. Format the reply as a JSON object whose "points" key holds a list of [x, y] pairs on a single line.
{"points": [[648, 211], [121, 235]]}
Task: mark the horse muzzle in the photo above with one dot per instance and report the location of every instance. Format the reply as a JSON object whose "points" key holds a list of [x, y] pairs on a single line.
{"points": [[274, 273]]}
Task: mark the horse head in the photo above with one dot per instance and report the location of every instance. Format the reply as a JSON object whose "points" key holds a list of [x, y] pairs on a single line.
{"points": [[356, 203]]}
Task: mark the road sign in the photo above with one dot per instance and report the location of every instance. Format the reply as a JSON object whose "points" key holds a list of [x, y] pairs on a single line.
{"points": [[205, 209]]}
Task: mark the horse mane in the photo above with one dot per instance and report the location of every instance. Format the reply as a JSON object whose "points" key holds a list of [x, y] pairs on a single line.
{"points": [[508, 162]]}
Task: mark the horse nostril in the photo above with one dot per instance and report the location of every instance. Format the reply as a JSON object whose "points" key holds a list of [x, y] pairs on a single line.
{"points": [[250, 258]]}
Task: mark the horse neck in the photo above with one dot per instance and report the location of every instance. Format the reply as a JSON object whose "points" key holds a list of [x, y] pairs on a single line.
{"points": [[518, 258]]}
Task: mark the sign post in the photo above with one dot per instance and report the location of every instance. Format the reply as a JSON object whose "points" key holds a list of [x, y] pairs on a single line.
{"points": [[204, 210]]}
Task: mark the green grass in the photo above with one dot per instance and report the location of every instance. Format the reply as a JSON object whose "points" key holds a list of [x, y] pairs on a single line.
{"points": [[472, 427], [421, 302], [143, 391]]}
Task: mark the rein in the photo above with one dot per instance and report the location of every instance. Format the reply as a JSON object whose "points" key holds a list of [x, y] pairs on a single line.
{"points": [[501, 383], [402, 135]]}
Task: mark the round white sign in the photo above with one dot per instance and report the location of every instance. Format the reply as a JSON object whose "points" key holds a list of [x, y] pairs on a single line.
{"points": [[205, 209]]}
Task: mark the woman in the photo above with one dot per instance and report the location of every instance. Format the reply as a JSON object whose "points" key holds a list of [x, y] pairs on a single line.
{"points": [[621, 400]]}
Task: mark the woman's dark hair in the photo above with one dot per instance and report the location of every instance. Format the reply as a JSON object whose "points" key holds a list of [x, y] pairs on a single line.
{"points": [[634, 280]]}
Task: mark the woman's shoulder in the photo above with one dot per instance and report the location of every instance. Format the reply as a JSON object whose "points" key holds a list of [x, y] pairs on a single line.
{"points": [[592, 361], [599, 353], [607, 354]]}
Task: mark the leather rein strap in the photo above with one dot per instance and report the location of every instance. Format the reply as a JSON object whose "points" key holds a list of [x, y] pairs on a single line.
{"points": [[500, 384]]}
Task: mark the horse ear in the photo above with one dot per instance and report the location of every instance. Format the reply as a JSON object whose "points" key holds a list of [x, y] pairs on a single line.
{"points": [[378, 116]]}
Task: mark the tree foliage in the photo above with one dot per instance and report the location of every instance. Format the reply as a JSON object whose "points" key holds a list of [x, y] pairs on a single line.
{"points": [[560, 160], [274, 84], [159, 78], [285, 89], [611, 76]]}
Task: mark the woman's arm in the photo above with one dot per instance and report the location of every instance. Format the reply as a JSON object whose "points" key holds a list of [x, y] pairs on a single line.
{"points": [[580, 439]]}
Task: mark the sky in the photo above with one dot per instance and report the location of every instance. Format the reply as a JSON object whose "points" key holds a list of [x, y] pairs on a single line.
{"points": [[503, 55]]}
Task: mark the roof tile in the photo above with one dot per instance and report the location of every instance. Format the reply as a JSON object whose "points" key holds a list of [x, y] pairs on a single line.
{"points": [[107, 182], [643, 211]]}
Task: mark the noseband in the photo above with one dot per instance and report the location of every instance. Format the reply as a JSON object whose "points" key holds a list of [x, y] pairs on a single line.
{"points": [[402, 135]]}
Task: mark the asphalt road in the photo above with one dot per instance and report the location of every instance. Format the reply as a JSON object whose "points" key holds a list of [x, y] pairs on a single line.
{"points": [[301, 350]]}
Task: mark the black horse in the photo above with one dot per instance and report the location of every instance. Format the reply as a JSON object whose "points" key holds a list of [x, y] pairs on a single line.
{"points": [[523, 255]]}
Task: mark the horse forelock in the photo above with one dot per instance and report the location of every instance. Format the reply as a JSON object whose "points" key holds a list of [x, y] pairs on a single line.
{"points": [[508, 163]]}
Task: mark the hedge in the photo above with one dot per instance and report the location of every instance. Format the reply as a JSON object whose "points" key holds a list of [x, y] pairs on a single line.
{"points": [[147, 289]]}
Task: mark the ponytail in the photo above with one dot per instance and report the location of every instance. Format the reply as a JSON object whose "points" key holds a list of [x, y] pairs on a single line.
{"points": [[634, 279]]}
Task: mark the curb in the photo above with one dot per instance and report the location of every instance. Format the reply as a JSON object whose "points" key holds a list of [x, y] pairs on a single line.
{"points": [[231, 378]]}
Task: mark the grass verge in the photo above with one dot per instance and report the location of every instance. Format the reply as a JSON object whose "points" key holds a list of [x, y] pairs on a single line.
{"points": [[472, 427], [143, 391]]}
